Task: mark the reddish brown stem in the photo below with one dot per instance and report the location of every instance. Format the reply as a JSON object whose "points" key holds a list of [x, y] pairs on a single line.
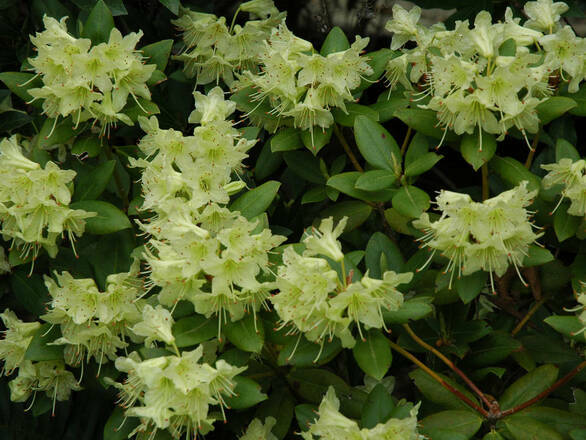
{"points": [[545, 393]]}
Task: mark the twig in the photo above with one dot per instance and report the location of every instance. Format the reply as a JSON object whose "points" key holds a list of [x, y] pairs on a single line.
{"points": [[547, 392], [528, 316], [451, 365], [532, 151], [438, 379], [406, 141], [347, 149]]}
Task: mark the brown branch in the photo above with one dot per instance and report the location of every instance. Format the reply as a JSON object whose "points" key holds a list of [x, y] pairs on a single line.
{"points": [[529, 160], [545, 393], [489, 404], [438, 379], [406, 141]]}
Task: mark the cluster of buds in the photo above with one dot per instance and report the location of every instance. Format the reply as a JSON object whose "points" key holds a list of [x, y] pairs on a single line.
{"points": [[491, 77], [88, 82], [486, 236], [34, 202], [313, 300]]}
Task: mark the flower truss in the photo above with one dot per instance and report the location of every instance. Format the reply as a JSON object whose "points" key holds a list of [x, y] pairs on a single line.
{"points": [[485, 236], [490, 77], [88, 82]]}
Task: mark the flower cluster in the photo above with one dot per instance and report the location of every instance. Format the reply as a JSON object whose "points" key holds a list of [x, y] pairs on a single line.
{"points": [[214, 51], [581, 308], [302, 87], [333, 425], [48, 376], [199, 250], [487, 78], [34, 202], [572, 176], [485, 236], [88, 82], [93, 323], [314, 300], [174, 392]]}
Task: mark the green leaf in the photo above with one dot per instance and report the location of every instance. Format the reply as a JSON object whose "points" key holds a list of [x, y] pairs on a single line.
{"points": [[564, 224], [536, 256], [314, 195], [90, 185], [305, 166], [171, 5], [353, 111], [470, 149], [508, 48], [63, 132], [118, 426], [336, 41], [158, 53], [90, 145], [346, 183], [108, 219], [304, 353], [423, 121], [305, 414], [194, 330], [30, 291], [527, 428], [513, 172], [20, 83], [469, 286], [247, 334], [554, 107], [256, 201], [418, 147], [436, 393], [312, 384], [357, 213], [373, 355], [377, 145], [38, 350], [580, 98], [377, 60], [280, 405], [411, 310], [578, 434], [493, 435], [562, 421], [563, 149], [422, 164], [492, 349], [451, 425], [387, 107], [381, 245], [375, 180], [267, 162], [529, 386], [146, 108], [378, 407], [315, 139], [567, 325], [411, 201], [116, 6], [98, 24], [248, 394], [287, 139]]}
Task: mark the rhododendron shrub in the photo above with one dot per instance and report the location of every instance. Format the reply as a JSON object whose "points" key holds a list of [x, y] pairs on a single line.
{"points": [[215, 225]]}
